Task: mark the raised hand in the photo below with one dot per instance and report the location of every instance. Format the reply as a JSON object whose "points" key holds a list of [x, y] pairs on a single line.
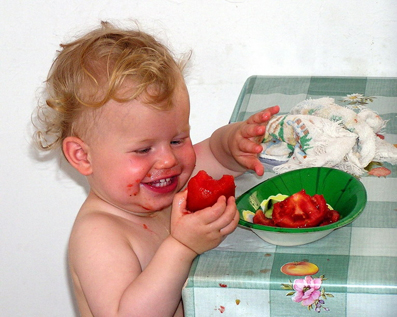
{"points": [[244, 142]]}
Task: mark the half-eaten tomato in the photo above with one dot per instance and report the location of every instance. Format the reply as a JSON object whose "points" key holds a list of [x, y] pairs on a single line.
{"points": [[203, 191]]}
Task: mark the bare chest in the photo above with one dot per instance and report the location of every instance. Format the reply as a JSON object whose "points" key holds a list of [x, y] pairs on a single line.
{"points": [[146, 241]]}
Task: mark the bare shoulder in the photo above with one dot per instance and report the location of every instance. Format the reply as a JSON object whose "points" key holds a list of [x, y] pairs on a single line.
{"points": [[97, 222], [99, 238], [90, 227]]}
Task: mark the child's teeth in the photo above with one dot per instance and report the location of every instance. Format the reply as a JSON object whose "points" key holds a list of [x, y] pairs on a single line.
{"points": [[162, 182]]}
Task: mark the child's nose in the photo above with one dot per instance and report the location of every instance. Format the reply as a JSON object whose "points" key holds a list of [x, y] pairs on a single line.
{"points": [[166, 159]]}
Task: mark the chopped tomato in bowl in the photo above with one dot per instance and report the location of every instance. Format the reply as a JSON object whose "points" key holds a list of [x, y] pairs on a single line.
{"points": [[299, 210], [308, 216]]}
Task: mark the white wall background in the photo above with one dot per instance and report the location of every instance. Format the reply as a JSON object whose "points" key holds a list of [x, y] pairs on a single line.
{"points": [[231, 40]]}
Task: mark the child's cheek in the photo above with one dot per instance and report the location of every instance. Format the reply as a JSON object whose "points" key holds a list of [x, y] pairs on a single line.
{"points": [[132, 187]]}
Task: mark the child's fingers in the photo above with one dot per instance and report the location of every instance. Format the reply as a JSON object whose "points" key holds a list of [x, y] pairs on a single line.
{"points": [[252, 162], [180, 200], [258, 168], [179, 204], [273, 110], [228, 215], [231, 226], [249, 146], [211, 214], [253, 130], [263, 115]]}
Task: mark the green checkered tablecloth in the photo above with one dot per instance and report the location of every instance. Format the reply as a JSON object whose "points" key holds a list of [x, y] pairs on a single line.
{"points": [[358, 262]]}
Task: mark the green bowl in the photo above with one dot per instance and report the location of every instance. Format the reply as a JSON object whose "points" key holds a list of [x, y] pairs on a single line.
{"points": [[342, 191]]}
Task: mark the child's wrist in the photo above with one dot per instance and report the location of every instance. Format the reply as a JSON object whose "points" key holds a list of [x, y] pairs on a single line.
{"points": [[192, 252]]}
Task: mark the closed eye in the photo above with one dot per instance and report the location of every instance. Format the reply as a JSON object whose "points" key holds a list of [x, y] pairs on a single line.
{"points": [[176, 142], [143, 151]]}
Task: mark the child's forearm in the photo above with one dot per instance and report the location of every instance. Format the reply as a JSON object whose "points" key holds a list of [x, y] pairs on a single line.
{"points": [[220, 144], [214, 156]]}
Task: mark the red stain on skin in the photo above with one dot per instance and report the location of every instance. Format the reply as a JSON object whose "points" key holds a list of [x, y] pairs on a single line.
{"points": [[129, 187], [147, 228], [137, 181], [222, 285]]}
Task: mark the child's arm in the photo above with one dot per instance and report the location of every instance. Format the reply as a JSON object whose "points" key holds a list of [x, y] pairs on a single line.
{"points": [[110, 273], [234, 148]]}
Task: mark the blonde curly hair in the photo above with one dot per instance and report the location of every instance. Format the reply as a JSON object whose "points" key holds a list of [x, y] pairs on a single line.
{"points": [[106, 63]]}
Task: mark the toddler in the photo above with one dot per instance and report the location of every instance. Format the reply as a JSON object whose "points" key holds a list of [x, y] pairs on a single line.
{"points": [[118, 107]]}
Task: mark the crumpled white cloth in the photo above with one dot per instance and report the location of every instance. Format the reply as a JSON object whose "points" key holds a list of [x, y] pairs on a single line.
{"points": [[318, 132]]}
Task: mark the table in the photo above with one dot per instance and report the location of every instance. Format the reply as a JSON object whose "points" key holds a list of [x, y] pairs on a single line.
{"points": [[242, 276]]}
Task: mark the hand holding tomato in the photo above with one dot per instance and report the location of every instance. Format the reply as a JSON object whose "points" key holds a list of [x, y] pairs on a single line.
{"points": [[204, 229]]}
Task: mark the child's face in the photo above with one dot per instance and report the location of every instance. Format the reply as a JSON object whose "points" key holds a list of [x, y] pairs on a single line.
{"points": [[141, 156]]}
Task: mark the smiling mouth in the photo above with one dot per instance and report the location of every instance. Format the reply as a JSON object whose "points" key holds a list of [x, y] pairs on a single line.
{"points": [[162, 182], [164, 185]]}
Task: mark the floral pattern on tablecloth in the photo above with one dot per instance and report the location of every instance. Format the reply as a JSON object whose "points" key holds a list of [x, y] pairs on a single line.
{"points": [[307, 290]]}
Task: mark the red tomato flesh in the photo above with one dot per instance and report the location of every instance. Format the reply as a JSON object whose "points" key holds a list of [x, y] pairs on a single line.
{"points": [[203, 191], [331, 216], [300, 210], [261, 219]]}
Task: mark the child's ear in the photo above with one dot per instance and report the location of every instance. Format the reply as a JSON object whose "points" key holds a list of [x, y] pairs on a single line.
{"points": [[76, 152]]}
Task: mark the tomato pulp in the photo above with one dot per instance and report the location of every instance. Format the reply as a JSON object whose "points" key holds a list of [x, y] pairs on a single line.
{"points": [[203, 191]]}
